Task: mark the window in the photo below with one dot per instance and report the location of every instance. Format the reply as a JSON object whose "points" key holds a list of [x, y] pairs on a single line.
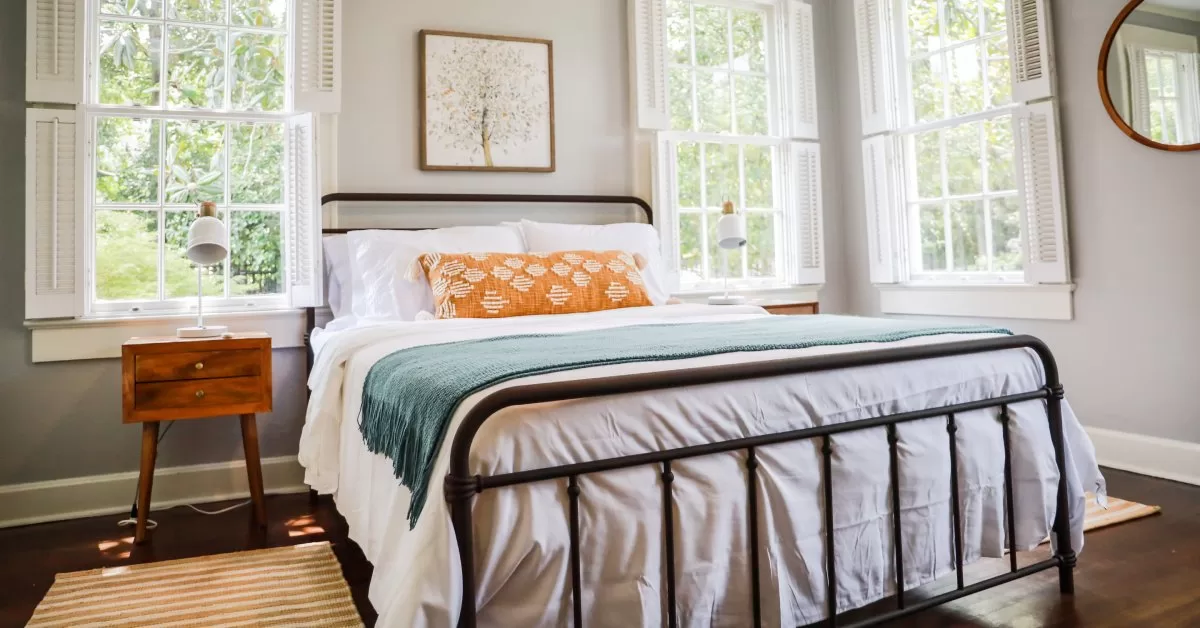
{"points": [[1172, 101], [728, 78], [175, 102], [961, 152]]}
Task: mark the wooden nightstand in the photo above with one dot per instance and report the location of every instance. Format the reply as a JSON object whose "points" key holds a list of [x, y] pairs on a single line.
{"points": [[168, 378], [791, 308]]}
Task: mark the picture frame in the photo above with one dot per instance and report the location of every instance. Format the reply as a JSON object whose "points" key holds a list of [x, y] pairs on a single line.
{"points": [[486, 102]]}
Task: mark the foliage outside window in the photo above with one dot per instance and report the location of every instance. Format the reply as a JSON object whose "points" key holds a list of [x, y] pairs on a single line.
{"points": [[959, 153], [187, 104], [725, 127]]}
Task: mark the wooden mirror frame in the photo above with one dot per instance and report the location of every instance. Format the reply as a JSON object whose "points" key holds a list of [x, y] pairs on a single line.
{"points": [[1105, 50]]}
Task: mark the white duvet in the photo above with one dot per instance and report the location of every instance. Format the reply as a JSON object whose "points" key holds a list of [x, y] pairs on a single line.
{"points": [[521, 537]]}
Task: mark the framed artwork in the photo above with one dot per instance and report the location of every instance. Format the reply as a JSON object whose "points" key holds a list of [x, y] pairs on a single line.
{"points": [[487, 103]]}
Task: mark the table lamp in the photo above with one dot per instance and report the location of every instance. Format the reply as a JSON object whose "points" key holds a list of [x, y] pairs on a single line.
{"points": [[731, 235], [207, 244]]}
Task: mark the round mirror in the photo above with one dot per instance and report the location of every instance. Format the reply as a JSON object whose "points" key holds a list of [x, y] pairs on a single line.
{"points": [[1150, 73]]}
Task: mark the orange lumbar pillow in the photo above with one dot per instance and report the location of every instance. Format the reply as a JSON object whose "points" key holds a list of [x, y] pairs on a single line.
{"points": [[497, 285]]}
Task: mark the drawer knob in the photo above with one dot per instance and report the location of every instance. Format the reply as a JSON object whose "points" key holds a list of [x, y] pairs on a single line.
{"points": [[199, 394], [199, 366]]}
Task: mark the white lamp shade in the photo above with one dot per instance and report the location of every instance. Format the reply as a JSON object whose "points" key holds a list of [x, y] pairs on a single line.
{"points": [[207, 242], [731, 231]]}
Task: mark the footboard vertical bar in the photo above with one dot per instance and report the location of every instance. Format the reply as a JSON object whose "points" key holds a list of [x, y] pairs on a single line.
{"points": [[752, 522], [956, 513], [460, 488], [830, 561], [1010, 519], [1062, 518], [669, 528], [576, 586], [894, 457]]}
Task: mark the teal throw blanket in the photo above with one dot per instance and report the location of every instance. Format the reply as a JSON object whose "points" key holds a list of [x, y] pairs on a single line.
{"points": [[410, 396]]}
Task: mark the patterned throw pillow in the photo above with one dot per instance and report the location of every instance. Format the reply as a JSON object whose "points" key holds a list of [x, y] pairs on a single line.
{"points": [[497, 285]]}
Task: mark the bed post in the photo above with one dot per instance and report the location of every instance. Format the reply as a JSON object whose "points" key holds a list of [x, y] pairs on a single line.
{"points": [[1062, 517]]}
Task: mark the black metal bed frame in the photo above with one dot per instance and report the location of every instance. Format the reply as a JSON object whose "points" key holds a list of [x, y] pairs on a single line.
{"points": [[460, 485]]}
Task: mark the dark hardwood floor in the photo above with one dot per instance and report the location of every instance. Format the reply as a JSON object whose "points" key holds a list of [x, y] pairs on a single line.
{"points": [[1143, 573]]}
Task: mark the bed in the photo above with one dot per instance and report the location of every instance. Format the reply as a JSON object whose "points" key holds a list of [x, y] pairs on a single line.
{"points": [[693, 492]]}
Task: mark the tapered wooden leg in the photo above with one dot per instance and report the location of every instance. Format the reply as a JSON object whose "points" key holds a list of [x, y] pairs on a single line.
{"points": [[146, 477], [254, 467]]}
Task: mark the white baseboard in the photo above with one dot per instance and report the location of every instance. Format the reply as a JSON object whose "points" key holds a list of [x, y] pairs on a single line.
{"points": [[37, 502], [1148, 455]]}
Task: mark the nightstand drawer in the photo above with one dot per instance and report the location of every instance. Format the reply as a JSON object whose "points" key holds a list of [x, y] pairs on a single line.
{"points": [[197, 394], [164, 367]]}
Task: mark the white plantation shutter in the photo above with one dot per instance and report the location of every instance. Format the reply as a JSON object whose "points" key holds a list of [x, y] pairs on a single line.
{"points": [[873, 40], [648, 26], [664, 194], [53, 214], [882, 198], [804, 172], [304, 212], [802, 57], [1044, 215], [54, 51], [1029, 49], [317, 56]]}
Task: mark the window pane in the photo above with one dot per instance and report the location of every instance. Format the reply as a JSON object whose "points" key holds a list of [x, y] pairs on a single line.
{"points": [[257, 72], [1001, 154], [691, 263], [126, 255], [256, 162], [968, 228], [719, 257], [266, 13], [721, 172], [179, 273], [712, 91], [751, 94], [760, 244], [928, 148], [962, 20], [140, 8], [760, 189], [966, 80], [999, 72], [196, 68], [749, 41], [130, 56], [712, 36], [1157, 132], [995, 16], [1006, 235], [1152, 78], [127, 160], [681, 99], [1167, 72], [197, 10], [255, 258], [923, 34], [933, 238], [963, 157], [1171, 121], [679, 31], [928, 89], [687, 173], [194, 161]]}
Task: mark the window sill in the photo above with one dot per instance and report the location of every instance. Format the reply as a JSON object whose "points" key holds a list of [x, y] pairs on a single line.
{"points": [[99, 338], [755, 296], [1041, 302]]}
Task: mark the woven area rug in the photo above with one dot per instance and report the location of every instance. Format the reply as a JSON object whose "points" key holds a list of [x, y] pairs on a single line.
{"points": [[1118, 511], [295, 586]]}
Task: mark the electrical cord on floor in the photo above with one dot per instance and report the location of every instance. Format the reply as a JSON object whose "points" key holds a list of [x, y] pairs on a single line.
{"points": [[150, 523]]}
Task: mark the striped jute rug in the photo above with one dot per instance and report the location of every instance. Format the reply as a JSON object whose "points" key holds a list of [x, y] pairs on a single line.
{"points": [[285, 586], [1118, 511]]}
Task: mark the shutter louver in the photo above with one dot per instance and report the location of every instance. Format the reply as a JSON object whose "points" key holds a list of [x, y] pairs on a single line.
{"points": [[54, 50], [1040, 181], [304, 212], [1029, 49], [881, 193], [317, 56], [805, 173], [872, 37], [53, 215], [801, 49], [648, 23]]}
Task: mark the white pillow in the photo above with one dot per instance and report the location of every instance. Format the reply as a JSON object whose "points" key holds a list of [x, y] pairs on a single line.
{"points": [[633, 237], [379, 261], [338, 288]]}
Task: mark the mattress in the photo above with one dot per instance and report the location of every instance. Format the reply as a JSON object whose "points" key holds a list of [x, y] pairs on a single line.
{"points": [[521, 536]]}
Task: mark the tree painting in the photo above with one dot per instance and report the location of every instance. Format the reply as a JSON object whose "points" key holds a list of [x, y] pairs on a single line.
{"points": [[487, 103]]}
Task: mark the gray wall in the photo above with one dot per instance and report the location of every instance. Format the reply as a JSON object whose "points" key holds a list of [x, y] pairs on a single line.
{"points": [[1128, 358], [1164, 23]]}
